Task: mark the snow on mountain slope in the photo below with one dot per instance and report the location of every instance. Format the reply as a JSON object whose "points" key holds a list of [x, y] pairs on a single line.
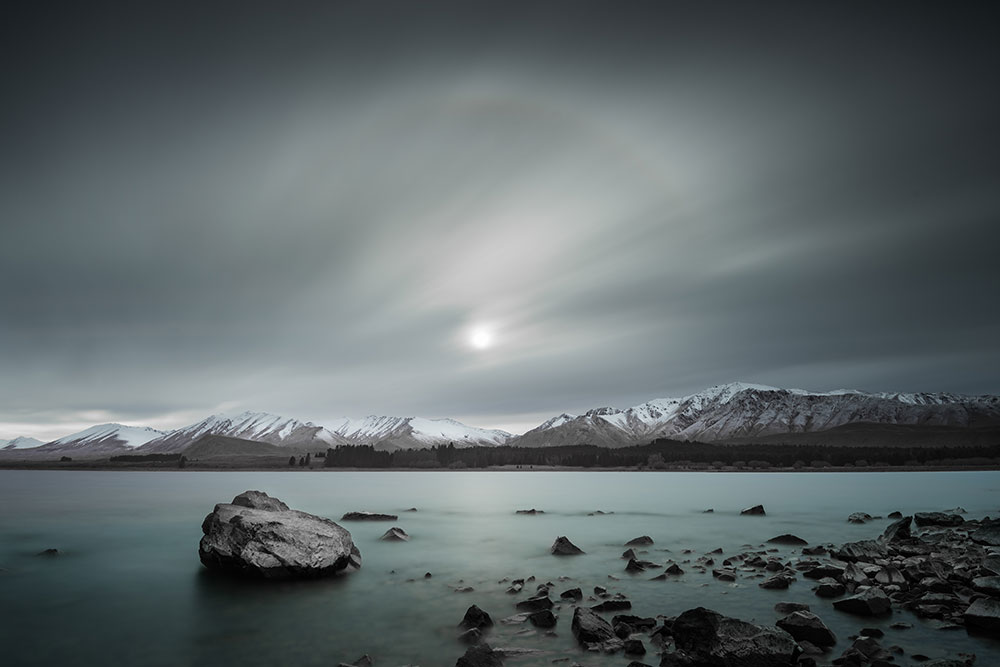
{"points": [[415, 432], [257, 426], [20, 443], [103, 439], [740, 410]]}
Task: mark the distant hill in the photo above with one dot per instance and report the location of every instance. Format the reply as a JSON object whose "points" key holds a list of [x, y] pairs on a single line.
{"points": [[220, 445]]}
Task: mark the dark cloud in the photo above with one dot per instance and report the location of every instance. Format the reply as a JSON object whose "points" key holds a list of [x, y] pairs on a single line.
{"points": [[306, 210]]}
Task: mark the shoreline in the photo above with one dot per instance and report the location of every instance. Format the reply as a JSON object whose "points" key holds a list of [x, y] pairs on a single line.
{"points": [[193, 467]]}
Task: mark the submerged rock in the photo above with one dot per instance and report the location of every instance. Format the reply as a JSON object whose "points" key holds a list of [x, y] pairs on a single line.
{"points": [[259, 536], [48, 553], [706, 637], [368, 516], [395, 534], [563, 547]]}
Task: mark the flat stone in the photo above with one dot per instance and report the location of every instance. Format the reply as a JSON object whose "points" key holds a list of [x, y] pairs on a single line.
{"points": [[368, 516], [870, 602], [984, 615]]}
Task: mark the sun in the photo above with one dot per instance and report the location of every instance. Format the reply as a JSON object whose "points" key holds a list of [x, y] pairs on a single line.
{"points": [[481, 338]]}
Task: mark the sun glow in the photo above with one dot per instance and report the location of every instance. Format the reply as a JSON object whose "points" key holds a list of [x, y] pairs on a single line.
{"points": [[481, 338]]}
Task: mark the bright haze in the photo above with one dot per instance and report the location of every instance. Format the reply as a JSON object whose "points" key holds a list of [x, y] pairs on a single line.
{"points": [[494, 212]]}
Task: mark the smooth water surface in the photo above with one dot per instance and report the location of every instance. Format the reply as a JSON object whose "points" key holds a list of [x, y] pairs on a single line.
{"points": [[128, 587]]}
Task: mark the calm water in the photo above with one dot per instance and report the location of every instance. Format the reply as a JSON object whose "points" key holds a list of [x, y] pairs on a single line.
{"points": [[129, 588]]}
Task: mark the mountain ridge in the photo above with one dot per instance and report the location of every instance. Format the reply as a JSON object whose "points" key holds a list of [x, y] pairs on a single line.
{"points": [[734, 412]]}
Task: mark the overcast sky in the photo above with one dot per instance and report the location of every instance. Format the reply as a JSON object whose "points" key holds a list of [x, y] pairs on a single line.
{"points": [[313, 209]]}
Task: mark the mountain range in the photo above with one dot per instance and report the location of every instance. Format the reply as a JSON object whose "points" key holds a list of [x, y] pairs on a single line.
{"points": [[735, 412]]}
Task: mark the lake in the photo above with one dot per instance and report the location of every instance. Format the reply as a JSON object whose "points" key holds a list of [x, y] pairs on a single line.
{"points": [[128, 588]]}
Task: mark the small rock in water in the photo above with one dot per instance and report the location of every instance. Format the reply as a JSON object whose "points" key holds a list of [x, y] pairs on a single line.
{"points": [[563, 547], [572, 594], [537, 603], [48, 552], [368, 516], [756, 510], [612, 605], [895, 515], [804, 625], [859, 517], [543, 619], [708, 511], [790, 607], [363, 661], [412, 509], [641, 541], [530, 512], [787, 538], [395, 534], [427, 575], [476, 618]]}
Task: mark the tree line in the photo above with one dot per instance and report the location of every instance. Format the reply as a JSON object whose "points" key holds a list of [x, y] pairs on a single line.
{"points": [[659, 453]]}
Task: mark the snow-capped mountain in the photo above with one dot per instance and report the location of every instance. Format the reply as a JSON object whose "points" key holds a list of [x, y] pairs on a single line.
{"points": [[101, 439], [741, 410], [389, 433], [20, 443], [258, 426]]}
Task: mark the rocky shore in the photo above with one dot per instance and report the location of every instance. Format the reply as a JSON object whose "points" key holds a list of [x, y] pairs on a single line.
{"points": [[938, 566], [932, 567]]}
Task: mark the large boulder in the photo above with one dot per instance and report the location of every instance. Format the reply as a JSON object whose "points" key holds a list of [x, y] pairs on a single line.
{"points": [[806, 626], [259, 536], [705, 637], [870, 602]]}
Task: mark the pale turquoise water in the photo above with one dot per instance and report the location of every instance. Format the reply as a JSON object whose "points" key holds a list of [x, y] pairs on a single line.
{"points": [[129, 588]]}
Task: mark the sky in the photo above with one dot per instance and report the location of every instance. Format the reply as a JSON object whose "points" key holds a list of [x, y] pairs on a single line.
{"points": [[495, 212]]}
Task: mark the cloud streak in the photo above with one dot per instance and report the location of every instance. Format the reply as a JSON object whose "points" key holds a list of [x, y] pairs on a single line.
{"points": [[305, 213]]}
